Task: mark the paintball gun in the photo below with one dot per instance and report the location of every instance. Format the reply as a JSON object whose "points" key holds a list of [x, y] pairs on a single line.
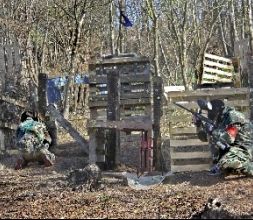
{"points": [[197, 115]]}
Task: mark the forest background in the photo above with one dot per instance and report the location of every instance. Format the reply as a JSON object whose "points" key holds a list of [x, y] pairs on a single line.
{"points": [[60, 37]]}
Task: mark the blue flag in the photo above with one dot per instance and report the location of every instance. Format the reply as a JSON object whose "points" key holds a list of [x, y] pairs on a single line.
{"points": [[126, 22]]}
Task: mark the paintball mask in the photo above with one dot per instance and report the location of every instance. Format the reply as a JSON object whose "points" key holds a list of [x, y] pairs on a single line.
{"points": [[214, 108]]}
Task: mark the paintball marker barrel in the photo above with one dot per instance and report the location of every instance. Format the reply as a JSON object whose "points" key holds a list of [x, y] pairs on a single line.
{"points": [[196, 114]]}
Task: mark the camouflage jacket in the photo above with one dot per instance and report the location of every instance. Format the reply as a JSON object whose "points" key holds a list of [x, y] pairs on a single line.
{"points": [[34, 128], [235, 130]]}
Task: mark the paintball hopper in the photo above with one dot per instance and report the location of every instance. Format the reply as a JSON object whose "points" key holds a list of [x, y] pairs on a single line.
{"points": [[204, 105]]}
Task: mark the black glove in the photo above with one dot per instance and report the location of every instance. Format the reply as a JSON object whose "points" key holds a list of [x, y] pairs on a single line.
{"points": [[209, 128], [196, 121], [215, 170], [222, 146]]}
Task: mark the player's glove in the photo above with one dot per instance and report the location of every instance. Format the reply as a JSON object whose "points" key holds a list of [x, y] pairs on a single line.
{"points": [[222, 146]]}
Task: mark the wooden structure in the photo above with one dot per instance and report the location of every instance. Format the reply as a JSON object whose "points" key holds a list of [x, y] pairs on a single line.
{"points": [[187, 152], [217, 69], [14, 94], [120, 101]]}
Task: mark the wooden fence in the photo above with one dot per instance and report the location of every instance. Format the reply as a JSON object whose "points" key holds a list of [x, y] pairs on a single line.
{"points": [[187, 152]]}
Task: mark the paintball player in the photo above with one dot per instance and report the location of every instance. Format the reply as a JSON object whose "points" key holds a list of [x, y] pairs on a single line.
{"points": [[33, 141], [231, 135]]}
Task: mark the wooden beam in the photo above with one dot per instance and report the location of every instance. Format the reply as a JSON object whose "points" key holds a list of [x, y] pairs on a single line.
{"points": [[219, 65], [118, 60], [135, 125], [188, 142], [68, 127], [215, 57], [209, 92], [189, 155], [194, 168]]}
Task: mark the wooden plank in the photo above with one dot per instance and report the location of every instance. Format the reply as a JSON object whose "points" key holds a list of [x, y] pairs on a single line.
{"points": [[183, 130], [219, 65], [92, 146], [135, 95], [221, 80], [132, 112], [194, 105], [117, 60], [192, 168], [55, 114], [132, 87], [95, 98], [140, 123], [95, 103], [217, 71], [215, 57], [188, 142], [214, 79], [182, 118], [189, 155], [209, 92], [102, 79]]}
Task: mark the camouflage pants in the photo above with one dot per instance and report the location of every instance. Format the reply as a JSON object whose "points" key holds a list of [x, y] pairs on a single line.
{"points": [[237, 159], [38, 155], [31, 149]]}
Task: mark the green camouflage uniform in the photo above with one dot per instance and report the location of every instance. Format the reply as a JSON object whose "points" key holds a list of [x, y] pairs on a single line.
{"points": [[33, 142], [238, 156]]}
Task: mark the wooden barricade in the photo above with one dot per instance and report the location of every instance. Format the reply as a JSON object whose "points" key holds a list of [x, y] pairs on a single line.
{"points": [[187, 152], [13, 99], [120, 92]]}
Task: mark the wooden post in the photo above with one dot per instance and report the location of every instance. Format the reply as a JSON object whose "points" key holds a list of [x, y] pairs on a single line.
{"points": [[2, 142], [92, 145], [42, 94], [42, 107], [113, 114], [157, 113], [2, 69], [250, 81]]}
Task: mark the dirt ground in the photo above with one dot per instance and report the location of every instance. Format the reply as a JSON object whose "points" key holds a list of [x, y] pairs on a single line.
{"points": [[39, 192]]}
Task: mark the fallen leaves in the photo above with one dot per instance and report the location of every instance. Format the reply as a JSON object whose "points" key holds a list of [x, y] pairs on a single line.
{"points": [[40, 193]]}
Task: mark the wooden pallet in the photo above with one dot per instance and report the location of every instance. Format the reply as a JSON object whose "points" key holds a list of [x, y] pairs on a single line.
{"points": [[217, 69]]}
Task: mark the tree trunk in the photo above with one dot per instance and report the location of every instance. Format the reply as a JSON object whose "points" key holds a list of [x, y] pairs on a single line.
{"points": [[111, 19], [72, 69], [222, 36], [250, 25]]}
